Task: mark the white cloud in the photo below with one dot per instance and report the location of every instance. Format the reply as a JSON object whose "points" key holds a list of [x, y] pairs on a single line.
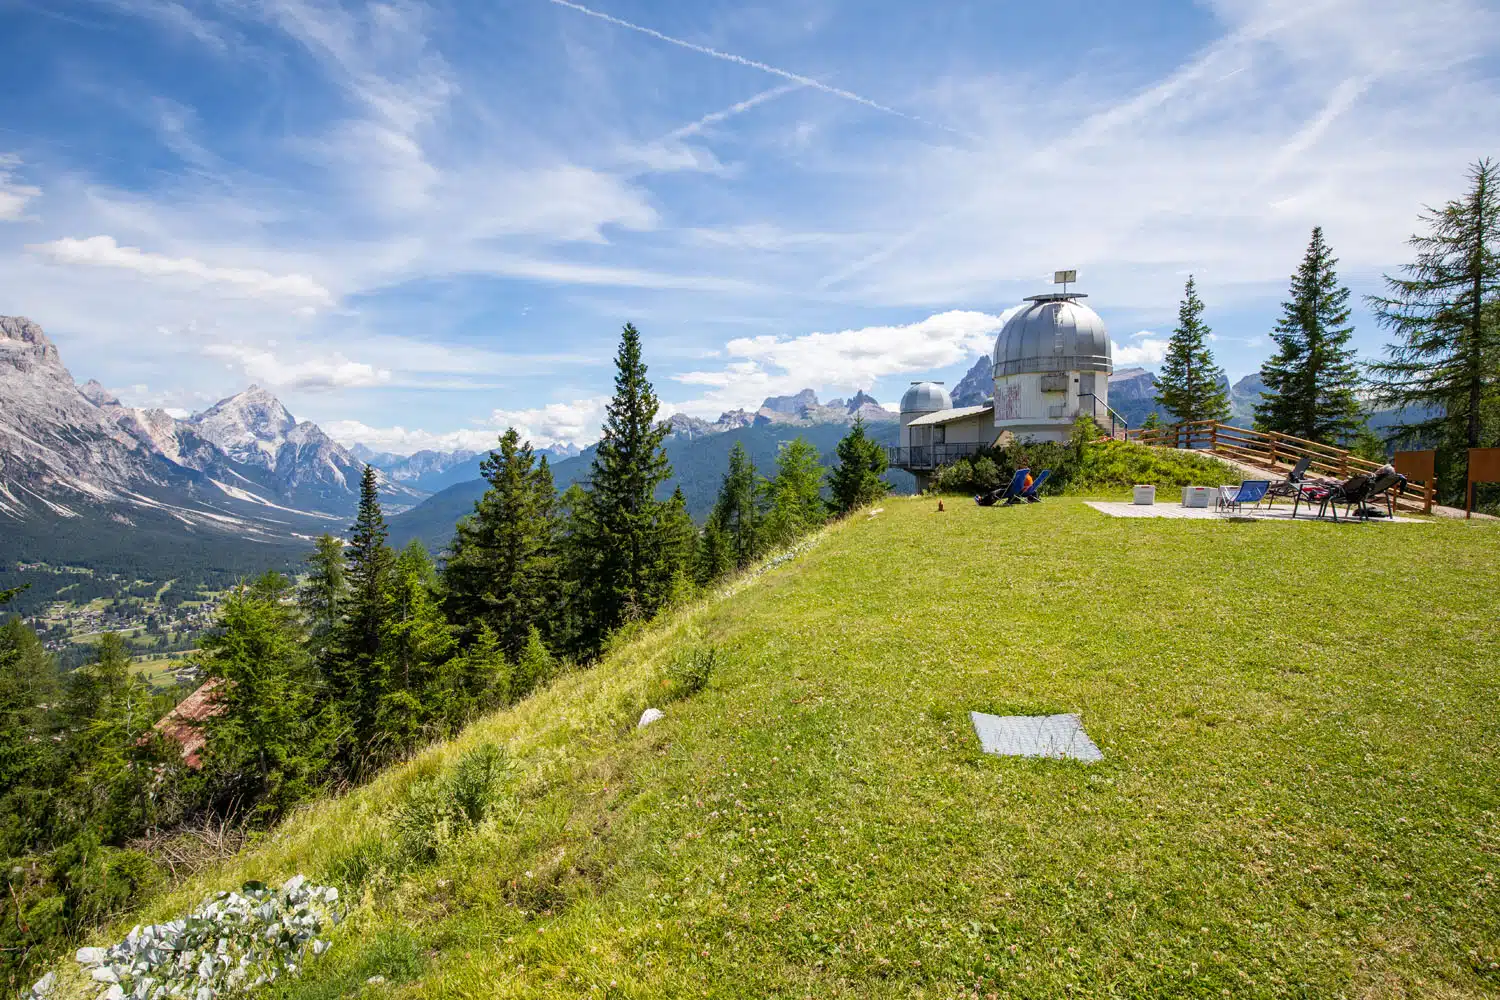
{"points": [[13, 194], [103, 251], [578, 422], [1145, 351], [333, 371], [401, 441], [855, 359]]}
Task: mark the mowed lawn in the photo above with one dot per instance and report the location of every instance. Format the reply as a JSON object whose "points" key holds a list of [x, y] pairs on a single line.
{"points": [[1300, 791]]}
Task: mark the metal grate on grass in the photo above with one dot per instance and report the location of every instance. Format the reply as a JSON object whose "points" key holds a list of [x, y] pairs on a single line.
{"points": [[1035, 736]]}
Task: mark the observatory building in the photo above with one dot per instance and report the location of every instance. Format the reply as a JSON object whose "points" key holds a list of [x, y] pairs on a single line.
{"points": [[1051, 365]]}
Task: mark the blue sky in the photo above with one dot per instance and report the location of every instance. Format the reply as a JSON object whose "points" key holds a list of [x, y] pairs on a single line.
{"points": [[418, 221]]}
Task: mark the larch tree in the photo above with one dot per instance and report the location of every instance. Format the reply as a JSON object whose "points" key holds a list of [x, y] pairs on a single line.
{"points": [[1444, 310], [322, 593], [1312, 380], [795, 492], [1189, 385]]}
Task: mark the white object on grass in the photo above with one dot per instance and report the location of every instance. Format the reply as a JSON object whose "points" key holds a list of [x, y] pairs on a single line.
{"points": [[1035, 736], [1199, 496], [1145, 494], [649, 716]]}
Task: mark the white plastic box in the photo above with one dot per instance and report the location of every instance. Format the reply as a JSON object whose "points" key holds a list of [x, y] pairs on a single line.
{"points": [[1199, 496], [1145, 495]]}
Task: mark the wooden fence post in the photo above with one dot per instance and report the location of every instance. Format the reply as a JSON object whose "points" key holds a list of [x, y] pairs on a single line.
{"points": [[1344, 465], [1273, 450], [1213, 436]]}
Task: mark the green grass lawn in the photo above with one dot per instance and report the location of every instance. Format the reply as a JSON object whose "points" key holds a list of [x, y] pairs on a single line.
{"points": [[1299, 795]]}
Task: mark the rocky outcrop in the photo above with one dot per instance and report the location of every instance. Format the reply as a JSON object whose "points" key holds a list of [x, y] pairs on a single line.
{"points": [[978, 384]]}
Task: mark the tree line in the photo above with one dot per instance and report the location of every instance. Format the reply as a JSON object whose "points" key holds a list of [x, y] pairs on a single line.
{"points": [[1441, 369], [320, 682]]}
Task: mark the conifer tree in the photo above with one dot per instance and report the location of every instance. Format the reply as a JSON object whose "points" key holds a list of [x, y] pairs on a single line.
{"points": [[1445, 313], [1312, 378], [417, 640], [356, 670], [625, 520], [715, 557], [795, 493], [855, 482], [679, 541], [264, 749], [501, 567], [322, 594], [1190, 385], [737, 510]]}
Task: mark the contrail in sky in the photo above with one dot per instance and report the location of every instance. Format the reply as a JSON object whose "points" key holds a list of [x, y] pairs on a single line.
{"points": [[714, 117], [805, 81]]}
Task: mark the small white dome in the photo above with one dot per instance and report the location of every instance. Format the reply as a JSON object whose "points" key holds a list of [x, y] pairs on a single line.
{"points": [[926, 397], [1054, 333]]}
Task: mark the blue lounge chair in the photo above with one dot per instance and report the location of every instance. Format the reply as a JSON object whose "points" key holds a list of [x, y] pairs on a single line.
{"points": [[1251, 491], [1006, 494], [1031, 495]]}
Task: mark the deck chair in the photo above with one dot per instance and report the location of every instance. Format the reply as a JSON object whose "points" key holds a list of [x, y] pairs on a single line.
{"points": [[1033, 495], [1005, 493], [1292, 485], [1353, 493], [1251, 491]]}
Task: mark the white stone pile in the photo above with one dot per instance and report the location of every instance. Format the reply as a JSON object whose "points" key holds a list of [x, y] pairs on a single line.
{"points": [[232, 943]]}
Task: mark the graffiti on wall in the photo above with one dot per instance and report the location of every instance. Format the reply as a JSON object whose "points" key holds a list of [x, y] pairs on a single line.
{"points": [[1008, 402]]}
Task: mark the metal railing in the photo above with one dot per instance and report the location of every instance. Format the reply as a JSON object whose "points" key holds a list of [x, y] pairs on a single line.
{"points": [[931, 456], [1108, 419]]}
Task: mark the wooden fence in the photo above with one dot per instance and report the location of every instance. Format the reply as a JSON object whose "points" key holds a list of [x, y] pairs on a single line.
{"points": [[1277, 452]]}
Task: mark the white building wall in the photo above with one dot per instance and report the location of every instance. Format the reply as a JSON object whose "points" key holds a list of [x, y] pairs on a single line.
{"points": [[1022, 408]]}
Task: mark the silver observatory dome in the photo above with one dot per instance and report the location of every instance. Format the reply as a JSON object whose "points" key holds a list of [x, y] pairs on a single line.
{"points": [[926, 397], [1053, 333]]}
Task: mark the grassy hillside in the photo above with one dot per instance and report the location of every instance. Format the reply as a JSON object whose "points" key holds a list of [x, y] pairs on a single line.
{"points": [[698, 466], [1298, 796]]}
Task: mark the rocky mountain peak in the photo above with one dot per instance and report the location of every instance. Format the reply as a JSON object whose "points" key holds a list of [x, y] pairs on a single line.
{"points": [[791, 405], [95, 393], [25, 347], [859, 399]]}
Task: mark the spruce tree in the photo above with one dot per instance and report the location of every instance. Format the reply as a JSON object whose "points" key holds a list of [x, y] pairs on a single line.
{"points": [[417, 641], [855, 482], [625, 520], [715, 556], [1445, 313], [679, 542], [322, 593], [1190, 385], [355, 669], [501, 566], [737, 510], [1312, 378]]}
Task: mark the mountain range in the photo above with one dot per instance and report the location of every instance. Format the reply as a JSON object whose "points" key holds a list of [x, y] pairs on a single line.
{"points": [[77, 466]]}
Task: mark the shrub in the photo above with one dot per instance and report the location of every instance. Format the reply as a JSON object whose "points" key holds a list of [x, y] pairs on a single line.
{"points": [[689, 672], [986, 474], [440, 808]]}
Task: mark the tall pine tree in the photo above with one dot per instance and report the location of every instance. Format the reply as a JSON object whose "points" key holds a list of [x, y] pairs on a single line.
{"points": [[1445, 313], [322, 594], [625, 521], [501, 567], [1189, 384], [855, 482], [737, 511], [1312, 378], [355, 667]]}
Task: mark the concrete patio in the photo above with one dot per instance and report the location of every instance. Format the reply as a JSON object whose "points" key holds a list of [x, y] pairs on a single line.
{"points": [[1278, 512]]}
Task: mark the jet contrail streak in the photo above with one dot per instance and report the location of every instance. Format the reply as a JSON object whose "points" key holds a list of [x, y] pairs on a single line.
{"points": [[805, 81]]}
